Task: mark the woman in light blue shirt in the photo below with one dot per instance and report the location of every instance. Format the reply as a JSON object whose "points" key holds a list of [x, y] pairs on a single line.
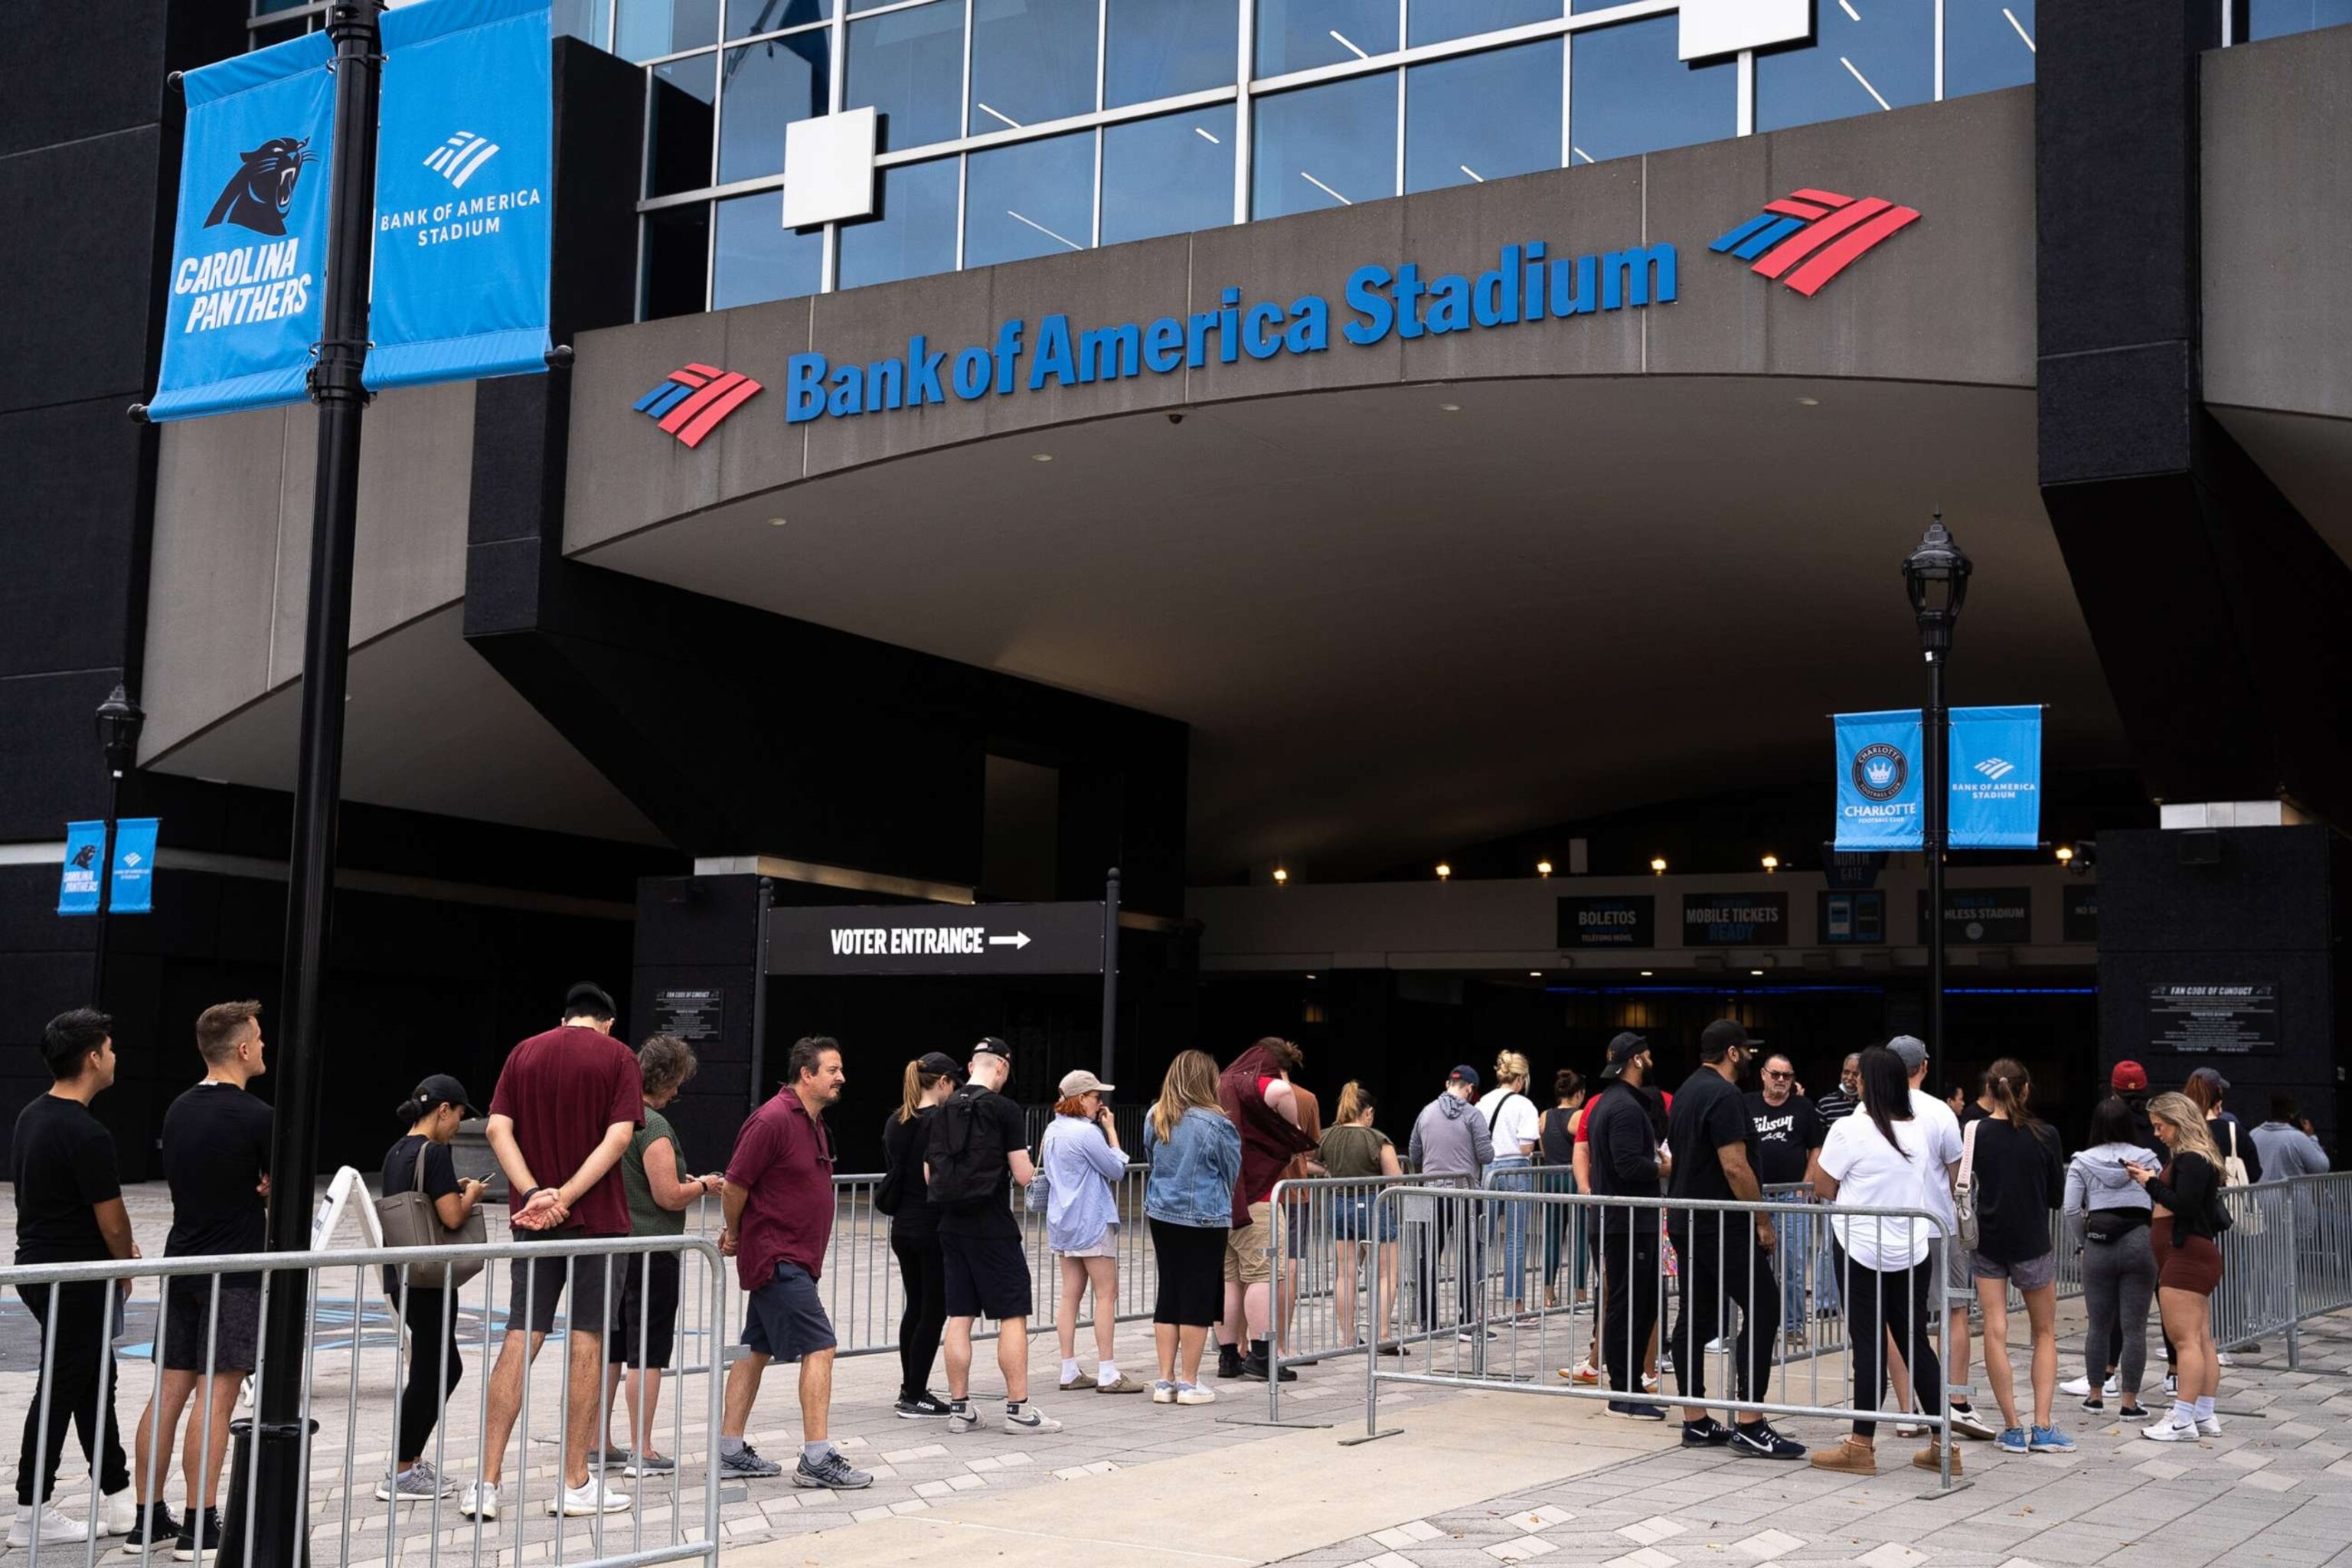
{"points": [[1083, 1163]]}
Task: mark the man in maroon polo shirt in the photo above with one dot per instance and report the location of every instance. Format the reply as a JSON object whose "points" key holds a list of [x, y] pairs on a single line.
{"points": [[779, 1210], [567, 1104]]}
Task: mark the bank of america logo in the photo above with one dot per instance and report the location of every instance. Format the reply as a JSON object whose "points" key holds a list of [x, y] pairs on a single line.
{"points": [[1808, 237], [1995, 768], [695, 398], [457, 158]]}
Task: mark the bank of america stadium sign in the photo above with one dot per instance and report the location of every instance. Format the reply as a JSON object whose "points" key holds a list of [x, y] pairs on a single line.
{"points": [[1808, 237]]}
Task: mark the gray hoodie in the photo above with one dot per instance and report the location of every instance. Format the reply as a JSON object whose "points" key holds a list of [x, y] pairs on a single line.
{"points": [[2095, 1178], [1450, 1138]]}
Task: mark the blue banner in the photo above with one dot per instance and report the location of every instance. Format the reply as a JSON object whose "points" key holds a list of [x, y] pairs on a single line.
{"points": [[135, 865], [85, 849], [249, 257], [1996, 796], [464, 177], [1878, 787]]}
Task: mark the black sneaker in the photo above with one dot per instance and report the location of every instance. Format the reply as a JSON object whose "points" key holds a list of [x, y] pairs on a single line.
{"points": [[152, 1529], [1760, 1441], [1633, 1410], [1229, 1360], [1253, 1369], [1705, 1433], [920, 1407], [199, 1537]]}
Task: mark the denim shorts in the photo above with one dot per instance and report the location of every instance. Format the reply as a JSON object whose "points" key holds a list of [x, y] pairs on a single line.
{"points": [[1352, 1219]]}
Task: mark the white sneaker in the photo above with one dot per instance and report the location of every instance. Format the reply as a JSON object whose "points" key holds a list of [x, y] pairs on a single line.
{"points": [[2208, 1426], [2171, 1386], [587, 1500], [2075, 1386], [56, 1529], [480, 1500], [1195, 1393], [118, 1513], [2113, 1386], [2223, 1357], [1030, 1419], [2168, 1431]]}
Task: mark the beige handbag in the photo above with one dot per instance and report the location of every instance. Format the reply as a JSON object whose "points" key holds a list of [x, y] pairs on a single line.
{"points": [[409, 1219]]}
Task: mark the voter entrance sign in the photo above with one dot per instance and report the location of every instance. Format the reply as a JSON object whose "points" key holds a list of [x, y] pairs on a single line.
{"points": [[936, 938]]}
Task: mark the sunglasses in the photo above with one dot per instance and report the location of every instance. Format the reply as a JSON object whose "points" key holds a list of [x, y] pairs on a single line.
{"points": [[1769, 1073]]}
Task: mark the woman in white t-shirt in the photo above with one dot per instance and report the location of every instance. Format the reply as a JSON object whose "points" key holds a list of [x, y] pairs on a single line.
{"points": [[1511, 1118], [1883, 1159]]}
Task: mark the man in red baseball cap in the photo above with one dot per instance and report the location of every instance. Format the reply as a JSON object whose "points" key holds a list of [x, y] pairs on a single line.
{"points": [[2129, 1081]]}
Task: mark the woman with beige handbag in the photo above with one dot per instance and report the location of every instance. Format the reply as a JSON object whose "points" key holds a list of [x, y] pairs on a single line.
{"points": [[425, 1205]]}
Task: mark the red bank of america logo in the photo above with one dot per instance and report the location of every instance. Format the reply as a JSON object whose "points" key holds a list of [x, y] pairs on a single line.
{"points": [[1806, 238], [695, 398]]}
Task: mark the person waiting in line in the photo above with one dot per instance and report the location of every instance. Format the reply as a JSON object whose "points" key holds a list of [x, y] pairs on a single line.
{"points": [[2186, 1219], [1556, 1145], [215, 1157], [1362, 1229], [1255, 1089], [2283, 1145], [1725, 1257], [1959, 1267], [1450, 1138], [1889, 1157], [1196, 1153], [2128, 1081], [915, 1232], [2020, 1178], [1846, 1098], [2209, 1089], [1789, 1135], [2118, 1268], [639, 1337], [68, 1198], [1515, 1129], [419, 1161], [1297, 1214], [1623, 1160], [1083, 1163], [1588, 1371]]}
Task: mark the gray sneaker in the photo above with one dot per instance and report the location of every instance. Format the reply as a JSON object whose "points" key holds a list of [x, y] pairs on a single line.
{"points": [[650, 1464], [745, 1462], [832, 1472], [418, 1483]]}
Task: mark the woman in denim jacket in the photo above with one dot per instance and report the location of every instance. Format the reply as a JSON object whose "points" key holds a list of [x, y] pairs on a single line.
{"points": [[1196, 1158]]}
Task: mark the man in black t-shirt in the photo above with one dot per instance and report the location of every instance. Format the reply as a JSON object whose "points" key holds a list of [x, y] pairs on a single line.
{"points": [[985, 1266], [69, 1210], [216, 1159], [1789, 1131], [1716, 1154]]}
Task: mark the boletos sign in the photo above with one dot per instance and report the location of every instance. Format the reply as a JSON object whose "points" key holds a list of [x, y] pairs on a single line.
{"points": [[462, 241]]}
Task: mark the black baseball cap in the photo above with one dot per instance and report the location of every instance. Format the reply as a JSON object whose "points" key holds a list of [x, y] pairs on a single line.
{"points": [[938, 1062], [1721, 1036], [993, 1047], [1465, 1073], [588, 999], [1623, 1050], [440, 1088]]}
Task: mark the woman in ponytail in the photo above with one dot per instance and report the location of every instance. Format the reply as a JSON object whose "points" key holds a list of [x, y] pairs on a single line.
{"points": [[2020, 1177], [915, 1231], [1511, 1119], [419, 1160]]}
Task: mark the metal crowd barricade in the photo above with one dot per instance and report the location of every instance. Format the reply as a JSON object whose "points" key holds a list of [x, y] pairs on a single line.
{"points": [[1715, 1261], [355, 1511]]}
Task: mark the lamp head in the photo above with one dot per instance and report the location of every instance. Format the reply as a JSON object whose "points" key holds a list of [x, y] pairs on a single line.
{"points": [[120, 719], [1936, 575]]}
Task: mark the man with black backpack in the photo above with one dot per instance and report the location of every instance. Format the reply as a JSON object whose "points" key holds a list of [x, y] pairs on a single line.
{"points": [[977, 1150]]}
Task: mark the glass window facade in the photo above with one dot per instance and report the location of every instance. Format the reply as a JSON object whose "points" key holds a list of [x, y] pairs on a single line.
{"points": [[1435, 21], [1328, 146], [1482, 117], [1629, 93], [1032, 60], [1168, 175], [913, 231], [1299, 34], [1988, 45], [909, 66], [1862, 62], [765, 87], [756, 257], [1032, 198], [1162, 48], [2272, 18]]}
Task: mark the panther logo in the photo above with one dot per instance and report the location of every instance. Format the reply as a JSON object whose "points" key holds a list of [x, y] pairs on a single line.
{"points": [[261, 190], [85, 858]]}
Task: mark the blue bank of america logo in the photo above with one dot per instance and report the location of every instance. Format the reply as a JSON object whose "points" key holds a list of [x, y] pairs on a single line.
{"points": [[457, 158], [1996, 767]]}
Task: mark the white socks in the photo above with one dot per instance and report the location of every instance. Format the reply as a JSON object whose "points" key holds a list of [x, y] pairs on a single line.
{"points": [[2204, 1407], [2184, 1413], [1069, 1369], [1106, 1374]]}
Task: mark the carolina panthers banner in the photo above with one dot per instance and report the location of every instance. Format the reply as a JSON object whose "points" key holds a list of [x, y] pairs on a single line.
{"points": [[249, 262], [1878, 776], [85, 847], [1996, 778], [464, 170]]}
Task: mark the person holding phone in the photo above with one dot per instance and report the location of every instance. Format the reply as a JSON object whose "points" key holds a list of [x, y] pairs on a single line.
{"points": [[1083, 1163], [2184, 1200], [432, 1112]]}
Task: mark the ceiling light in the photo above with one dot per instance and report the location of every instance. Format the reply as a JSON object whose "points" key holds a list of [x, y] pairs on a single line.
{"points": [[1535, 975], [1449, 408], [1808, 402], [1443, 870], [1658, 865], [776, 522], [1041, 457], [2065, 853], [1756, 972], [1310, 976], [1349, 44], [1280, 875], [1771, 863], [1647, 973], [1543, 867]]}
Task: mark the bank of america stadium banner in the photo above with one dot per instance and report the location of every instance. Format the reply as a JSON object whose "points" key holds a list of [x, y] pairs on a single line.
{"points": [[465, 156], [464, 175], [249, 263], [1995, 796]]}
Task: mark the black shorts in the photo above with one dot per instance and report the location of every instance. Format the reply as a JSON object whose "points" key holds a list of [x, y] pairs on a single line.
{"points": [[784, 1318], [644, 1318], [987, 1276], [535, 1285], [188, 1324]]}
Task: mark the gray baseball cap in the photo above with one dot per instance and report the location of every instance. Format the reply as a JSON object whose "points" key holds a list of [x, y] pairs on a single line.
{"points": [[1911, 1048]]}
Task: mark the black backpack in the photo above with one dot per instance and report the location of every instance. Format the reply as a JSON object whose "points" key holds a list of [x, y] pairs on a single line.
{"points": [[966, 1152]]}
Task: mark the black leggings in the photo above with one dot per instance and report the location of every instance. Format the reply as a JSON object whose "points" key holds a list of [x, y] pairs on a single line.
{"points": [[920, 1326], [1878, 1304], [434, 1368]]}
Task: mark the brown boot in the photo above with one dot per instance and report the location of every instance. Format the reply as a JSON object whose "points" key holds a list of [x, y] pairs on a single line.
{"points": [[1931, 1457], [1854, 1456]]}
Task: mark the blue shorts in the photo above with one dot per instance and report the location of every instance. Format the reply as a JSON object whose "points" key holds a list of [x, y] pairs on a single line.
{"points": [[1352, 1219], [784, 1318]]}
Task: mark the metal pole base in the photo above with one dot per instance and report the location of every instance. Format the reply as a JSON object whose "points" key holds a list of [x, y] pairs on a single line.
{"points": [[1363, 1437], [1291, 1423], [281, 1514], [1959, 1484]]}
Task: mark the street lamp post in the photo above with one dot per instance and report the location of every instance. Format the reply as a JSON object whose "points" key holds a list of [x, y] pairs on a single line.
{"points": [[120, 719], [1936, 575]]}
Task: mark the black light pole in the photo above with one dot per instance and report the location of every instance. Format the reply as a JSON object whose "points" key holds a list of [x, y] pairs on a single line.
{"points": [[120, 719], [277, 1528], [1936, 575], [1110, 977]]}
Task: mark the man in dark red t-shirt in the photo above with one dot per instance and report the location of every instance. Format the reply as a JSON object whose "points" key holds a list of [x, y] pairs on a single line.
{"points": [[567, 1104]]}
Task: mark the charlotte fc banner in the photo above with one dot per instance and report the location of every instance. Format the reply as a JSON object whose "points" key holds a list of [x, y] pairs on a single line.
{"points": [[249, 262], [1995, 798], [465, 167]]}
